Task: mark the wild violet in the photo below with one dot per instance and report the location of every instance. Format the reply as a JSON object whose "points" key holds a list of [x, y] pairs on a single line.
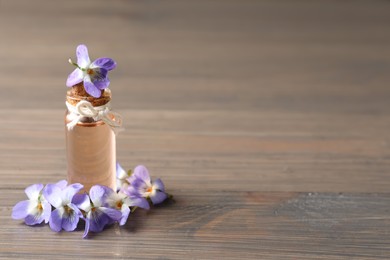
{"points": [[62, 206]]}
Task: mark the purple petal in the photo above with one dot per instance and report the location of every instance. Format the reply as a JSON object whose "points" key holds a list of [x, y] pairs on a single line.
{"points": [[97, 195], [158, 197], [70, 191], [20, 210], [91, 88], [46, 211], [86, 228], [125, 215], [55, 221], [62, 184], [140, 172], [111, 213], [141, 187], [128, 191], [120, 172], [74, 78], [137, 189], [139, 202], [33, 219], [33, 191], [97, 221], [52, 194], [70, 221], [82, 201], [75, 209], [101, 83], [82, 56], [106, 63], [107, 191], [109, 196], [158, 185]]}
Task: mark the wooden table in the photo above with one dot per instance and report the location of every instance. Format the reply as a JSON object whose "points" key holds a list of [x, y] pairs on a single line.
{"points": [[267, 120]]}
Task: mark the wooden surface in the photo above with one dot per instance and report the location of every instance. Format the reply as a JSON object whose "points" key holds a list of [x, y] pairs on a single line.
{"points": [[267, 120]]}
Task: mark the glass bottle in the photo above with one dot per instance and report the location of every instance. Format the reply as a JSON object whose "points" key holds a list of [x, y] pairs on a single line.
{"points": [[90, 143]]}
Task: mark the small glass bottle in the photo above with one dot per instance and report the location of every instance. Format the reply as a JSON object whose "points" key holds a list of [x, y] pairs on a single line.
{"points": [[90, 143]]}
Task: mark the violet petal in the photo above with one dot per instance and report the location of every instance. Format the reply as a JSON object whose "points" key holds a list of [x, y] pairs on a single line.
{"points": [[74, 78], [86, 231], [98, 221], [111, 213], [135, 191], [120, 172], [82, 56], [62, 184], [33, 191], [55, 221], [140, 187], [125, 215], [33, 219], [158, 197], [140, 172], [70, 221], [138, 202], [46, 211], [106, 63], [91, 88], [70, 191], [82, 201], [97, 194], [158, 185], [52, 194], [101, 83], [20, 210]]}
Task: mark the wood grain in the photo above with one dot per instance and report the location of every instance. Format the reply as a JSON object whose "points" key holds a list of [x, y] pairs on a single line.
{"points": [[268, 121]]}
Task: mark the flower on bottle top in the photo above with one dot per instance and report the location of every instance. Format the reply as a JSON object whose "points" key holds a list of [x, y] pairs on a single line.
{"points": [[92, 74]]}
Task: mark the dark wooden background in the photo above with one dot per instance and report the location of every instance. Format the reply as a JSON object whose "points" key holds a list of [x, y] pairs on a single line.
{"points": [[268, 121]]}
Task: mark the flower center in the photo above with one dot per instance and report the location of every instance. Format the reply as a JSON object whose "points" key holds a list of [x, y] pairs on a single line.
{"points": [[68, 210], [150, 189], [39, 207], [90, 72], [119, 204]]}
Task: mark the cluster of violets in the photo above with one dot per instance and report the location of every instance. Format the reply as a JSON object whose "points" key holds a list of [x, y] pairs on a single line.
{"points": [[63, 206]]}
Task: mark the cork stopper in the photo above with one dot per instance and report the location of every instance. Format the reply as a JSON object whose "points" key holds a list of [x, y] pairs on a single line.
{"points": [[78, 93]]}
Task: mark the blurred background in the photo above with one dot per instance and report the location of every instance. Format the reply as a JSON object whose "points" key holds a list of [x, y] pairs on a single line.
{"points": [[207, 54]]}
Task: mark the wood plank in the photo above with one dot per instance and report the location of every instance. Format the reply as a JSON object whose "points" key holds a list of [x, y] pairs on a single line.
{"points": [[204, 225]]}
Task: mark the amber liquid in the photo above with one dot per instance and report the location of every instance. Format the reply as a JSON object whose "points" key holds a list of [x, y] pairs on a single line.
{"points": [[91, 155]]}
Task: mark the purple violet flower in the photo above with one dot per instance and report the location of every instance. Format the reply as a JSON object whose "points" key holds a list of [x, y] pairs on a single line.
{"points": [[36, 209], [142, 185], [66, 215], [97, 215], [93, 75], [123, 202]]}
